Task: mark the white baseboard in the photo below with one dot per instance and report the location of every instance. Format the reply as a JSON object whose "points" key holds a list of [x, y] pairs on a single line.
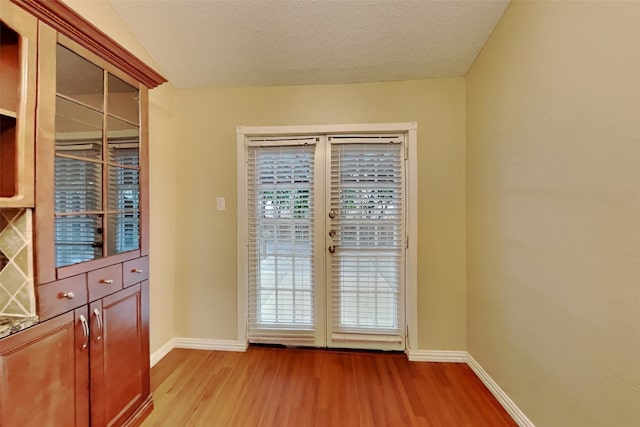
{"points": [[162, 352], [437, 356], [208, 344], [196, 344], [509, 405]]}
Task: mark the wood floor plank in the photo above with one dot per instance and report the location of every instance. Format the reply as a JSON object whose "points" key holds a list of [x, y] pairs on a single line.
{"points": [[312, 387]]}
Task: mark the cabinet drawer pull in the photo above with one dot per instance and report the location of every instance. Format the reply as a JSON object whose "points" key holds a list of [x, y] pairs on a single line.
{"points": [[107, 281], [85, 331], [137, 270], [99, 319], [68, 295]]}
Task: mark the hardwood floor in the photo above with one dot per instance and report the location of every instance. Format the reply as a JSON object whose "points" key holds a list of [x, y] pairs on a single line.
{"points": [[309, 387]]}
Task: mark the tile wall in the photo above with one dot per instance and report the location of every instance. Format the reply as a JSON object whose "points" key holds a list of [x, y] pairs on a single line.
{"points": [[17, 297]]}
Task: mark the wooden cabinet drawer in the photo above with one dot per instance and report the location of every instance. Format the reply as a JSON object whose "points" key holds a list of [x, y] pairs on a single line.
{"points": [[104, 281], [61, 296], [135, 271]]}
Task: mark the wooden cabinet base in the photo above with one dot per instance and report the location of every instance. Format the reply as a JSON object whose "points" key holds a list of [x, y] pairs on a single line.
{"points": [[45, 373], [89, 366], [142, 414]]}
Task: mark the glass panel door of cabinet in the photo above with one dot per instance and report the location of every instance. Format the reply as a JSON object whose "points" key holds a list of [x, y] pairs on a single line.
{"points": [[97, 166], [123, 154]]}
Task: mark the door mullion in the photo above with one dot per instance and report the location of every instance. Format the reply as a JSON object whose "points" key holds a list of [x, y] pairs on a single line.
{"points": [[320, 279]]}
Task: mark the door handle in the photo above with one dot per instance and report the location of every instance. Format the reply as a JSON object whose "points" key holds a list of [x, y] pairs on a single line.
{"points": [[85, 331], [99, 319]]}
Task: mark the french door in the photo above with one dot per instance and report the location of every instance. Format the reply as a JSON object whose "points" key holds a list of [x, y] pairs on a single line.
{"points": [[326, 240]]}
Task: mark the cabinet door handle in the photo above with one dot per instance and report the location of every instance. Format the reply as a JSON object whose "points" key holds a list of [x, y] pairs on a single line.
{"points": [[85, 331], [68, 295], [106, 281], [99, 319], [137, 270]]}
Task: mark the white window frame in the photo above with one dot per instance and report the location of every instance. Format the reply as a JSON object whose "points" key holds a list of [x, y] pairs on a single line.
{"points": [[410, 129]]}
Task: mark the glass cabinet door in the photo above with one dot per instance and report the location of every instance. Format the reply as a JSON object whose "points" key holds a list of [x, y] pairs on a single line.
{"points": [[97, 166]]}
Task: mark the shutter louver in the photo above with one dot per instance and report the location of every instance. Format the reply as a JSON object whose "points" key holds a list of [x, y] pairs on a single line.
{"points": [[281, 241], [124, 197], [78, 188]]}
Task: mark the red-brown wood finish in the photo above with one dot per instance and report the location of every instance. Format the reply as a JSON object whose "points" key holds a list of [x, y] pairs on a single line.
{"points": [[44, 232], [119, 354], [7, 157], [65, 20], [104, 281], [135, 271], [61, 296], [106, 381], [83, 267], [271, 387], [11, 79], [144, 172], [45, 374], [18, 54]]}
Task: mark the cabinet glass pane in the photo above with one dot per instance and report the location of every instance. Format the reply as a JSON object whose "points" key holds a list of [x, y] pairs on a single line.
{"points": [[78, 185], [78, 239], [123, 100], [78, 130], [79, 79], [123, 232], [123, 140], [124, 189]]}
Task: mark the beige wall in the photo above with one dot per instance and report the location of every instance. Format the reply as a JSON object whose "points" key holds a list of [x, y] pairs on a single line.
{"points": [[162, 152], [553, 211], [206, 249]]}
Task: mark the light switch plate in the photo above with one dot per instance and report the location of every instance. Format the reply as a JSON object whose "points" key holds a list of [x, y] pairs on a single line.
{"points": [[220, 203]]}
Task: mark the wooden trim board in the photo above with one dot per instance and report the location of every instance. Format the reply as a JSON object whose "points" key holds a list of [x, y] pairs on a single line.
{"points": [[66, 21]]}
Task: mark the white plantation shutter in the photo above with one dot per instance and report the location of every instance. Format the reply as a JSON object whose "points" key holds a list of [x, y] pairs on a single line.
{"points": [[124, 197], [280, 189], [367, 267], [78, 188]]}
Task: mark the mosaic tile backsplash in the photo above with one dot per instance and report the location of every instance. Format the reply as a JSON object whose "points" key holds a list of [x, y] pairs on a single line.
{"points": [[17, 296]]}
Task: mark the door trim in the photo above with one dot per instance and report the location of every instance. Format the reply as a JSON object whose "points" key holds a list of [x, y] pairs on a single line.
{"points": [[411, 268]]}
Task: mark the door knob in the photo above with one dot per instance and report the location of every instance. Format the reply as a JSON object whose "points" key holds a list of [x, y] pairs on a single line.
{"points": [[332, 233], [332, 214], [332, 249]]}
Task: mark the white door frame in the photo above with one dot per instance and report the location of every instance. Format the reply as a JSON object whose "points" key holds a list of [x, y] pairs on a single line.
{"points": [[411, 270]]}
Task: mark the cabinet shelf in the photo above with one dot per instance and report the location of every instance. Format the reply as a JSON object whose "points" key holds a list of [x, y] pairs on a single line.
{"points": [[8, 113]]}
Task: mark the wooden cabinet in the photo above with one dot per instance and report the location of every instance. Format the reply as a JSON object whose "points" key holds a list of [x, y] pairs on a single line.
{"points": [[18, 50], [92, 154], [87, 361], [119, 356], [45, 373], [89, 366]]}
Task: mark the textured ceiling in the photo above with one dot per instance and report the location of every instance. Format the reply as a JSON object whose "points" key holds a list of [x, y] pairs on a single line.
{"points": [[263, 43]]}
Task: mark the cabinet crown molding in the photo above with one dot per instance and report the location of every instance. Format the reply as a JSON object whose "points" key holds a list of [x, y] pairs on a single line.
{"points": [[66, 21]]}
